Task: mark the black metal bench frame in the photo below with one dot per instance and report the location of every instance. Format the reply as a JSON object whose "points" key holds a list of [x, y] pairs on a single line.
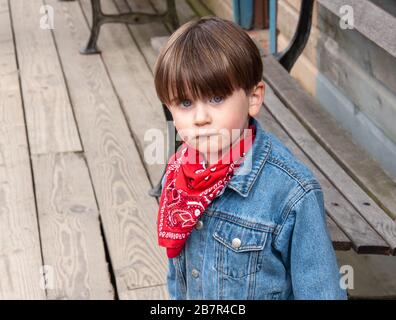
{"points": [[169, 17]]}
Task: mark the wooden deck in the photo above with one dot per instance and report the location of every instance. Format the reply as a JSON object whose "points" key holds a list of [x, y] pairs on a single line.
{"points": [[73, 184]]}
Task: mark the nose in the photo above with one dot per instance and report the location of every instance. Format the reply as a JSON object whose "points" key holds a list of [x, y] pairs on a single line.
{"points": [[202, 115]]}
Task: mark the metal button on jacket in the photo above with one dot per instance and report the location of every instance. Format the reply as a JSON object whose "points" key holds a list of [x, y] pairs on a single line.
{"points": [[199, 225], [236, 243], [195, 273]]}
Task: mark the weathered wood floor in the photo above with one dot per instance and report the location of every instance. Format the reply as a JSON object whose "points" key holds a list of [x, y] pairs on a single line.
{"points": [[76, 220], [74, 203]]}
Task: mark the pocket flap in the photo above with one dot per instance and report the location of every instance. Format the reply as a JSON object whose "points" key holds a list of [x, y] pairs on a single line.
{"points": [[240, 238]]}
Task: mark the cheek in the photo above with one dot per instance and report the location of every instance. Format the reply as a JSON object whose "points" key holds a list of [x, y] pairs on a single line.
{"points": [[183, 127], [236, 117], [177, 119], [234, 120]]}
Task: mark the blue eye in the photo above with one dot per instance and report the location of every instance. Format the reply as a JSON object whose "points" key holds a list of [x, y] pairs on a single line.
{"points": [[186, 103], [217, 99]]}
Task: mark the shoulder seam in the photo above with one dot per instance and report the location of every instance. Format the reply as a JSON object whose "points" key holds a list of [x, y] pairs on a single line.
{"points": [[304, 184]]}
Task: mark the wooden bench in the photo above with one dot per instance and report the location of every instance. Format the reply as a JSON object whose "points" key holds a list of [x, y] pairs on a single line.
{"points": [[169, 17], [360, 198]]}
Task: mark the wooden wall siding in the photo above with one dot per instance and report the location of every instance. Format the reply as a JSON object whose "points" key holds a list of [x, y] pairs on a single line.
{"points": [[378, 25], [358, 68], [374, 60], [328, 55]]}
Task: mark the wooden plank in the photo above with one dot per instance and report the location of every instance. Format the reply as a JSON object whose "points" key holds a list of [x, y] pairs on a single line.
{"points": [[340, 240], [352, 51], [20, 256], [373, 275], [72, 243], [133, 81], [49, 116], [369, 209], [338, 237], [185, 14], [151, 293], [370, 96], [120, 182], [362, 130], [364, 238], [365, 171], [367, 16], [143, 33]]}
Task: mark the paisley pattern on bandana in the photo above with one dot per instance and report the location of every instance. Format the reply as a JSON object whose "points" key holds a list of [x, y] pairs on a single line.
{"points": [[190, 187]]}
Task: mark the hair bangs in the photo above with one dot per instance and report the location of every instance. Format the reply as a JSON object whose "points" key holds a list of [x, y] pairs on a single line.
{"points": [[207, 58]]}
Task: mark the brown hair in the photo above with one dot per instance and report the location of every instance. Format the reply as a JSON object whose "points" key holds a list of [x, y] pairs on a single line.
{"points": [[206, 58]]}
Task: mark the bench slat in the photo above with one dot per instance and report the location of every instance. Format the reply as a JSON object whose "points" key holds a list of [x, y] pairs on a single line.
{"points": [[368, 173], [364, 238], [339, 239], [371, 212]]}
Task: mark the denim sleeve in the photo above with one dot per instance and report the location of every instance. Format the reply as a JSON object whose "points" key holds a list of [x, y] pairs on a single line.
{"points": [[163, 181], [171, 280], [313, 265]]}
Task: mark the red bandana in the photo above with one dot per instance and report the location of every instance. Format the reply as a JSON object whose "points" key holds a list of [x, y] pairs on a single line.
{"points": [[190, 187]]}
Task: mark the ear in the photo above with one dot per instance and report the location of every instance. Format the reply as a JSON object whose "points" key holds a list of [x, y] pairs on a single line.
{"points": [[256, 98]]}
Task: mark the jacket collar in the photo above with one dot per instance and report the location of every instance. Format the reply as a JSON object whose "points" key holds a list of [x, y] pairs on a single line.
{"points": [[245, 176]]}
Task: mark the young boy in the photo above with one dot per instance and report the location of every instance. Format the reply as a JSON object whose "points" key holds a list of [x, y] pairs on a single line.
{"points": [[239, 215]]}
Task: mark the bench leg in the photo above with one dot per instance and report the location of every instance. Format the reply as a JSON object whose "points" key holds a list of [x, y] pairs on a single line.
{"points": [[289, 56], [171, 14], [99, 18]]}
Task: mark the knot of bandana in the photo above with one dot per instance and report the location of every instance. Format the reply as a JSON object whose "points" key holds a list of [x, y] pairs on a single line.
{"points": [[190, 187]]}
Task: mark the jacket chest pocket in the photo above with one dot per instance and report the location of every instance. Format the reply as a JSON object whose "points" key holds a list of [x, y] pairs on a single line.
{"points": [[238, 249]]}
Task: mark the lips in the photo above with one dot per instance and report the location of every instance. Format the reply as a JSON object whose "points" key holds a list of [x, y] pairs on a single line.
{"points": [[205, 135]]}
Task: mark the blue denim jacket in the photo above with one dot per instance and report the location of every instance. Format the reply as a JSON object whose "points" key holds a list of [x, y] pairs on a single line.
{"points": [[265, 237]]}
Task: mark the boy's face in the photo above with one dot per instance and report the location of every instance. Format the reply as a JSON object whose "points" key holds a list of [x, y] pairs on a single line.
{"points": [[212, 126]]}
